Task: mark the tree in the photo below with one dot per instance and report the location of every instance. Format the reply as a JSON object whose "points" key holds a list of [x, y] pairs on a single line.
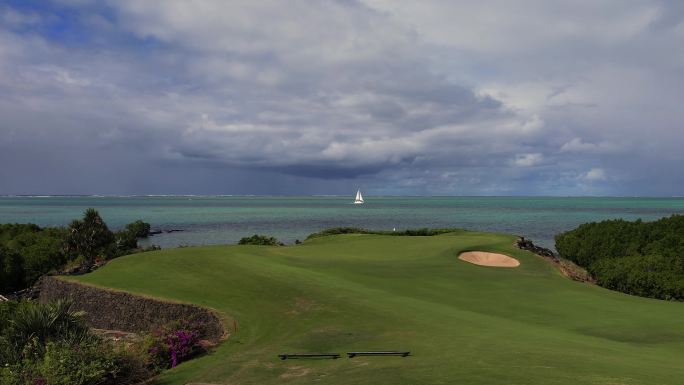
{"points": [[90, 236], [138, 229]]}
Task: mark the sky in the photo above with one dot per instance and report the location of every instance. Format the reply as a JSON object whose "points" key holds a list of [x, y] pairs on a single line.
{"points": [[395, 97]]}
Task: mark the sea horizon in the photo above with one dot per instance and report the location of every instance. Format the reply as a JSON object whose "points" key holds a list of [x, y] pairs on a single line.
{"points": [[327, 195], [198, 220]]}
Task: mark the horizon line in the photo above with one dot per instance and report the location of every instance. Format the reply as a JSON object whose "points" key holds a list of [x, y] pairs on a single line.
{"points": [[319, 196]]}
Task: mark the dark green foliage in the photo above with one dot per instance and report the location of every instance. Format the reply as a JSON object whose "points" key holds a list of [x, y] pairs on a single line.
{"points": [[30, 326], [424, 232], [49, 344], [27, 252], [89, 237], [652, 276], [339, 230], [138, 229], [357, 230], [126, 240], [261, 240], [11, 270], [640, 258]]}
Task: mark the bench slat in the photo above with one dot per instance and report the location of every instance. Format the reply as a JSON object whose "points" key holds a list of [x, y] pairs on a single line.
{"points": [[309, 355], [379, 353]]}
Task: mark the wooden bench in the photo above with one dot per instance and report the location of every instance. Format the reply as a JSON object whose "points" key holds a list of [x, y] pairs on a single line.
{"points": [[380, 353], [285, 356]]}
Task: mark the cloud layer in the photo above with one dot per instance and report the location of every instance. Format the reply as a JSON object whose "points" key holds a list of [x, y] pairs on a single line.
{"points": [[399, 97]]}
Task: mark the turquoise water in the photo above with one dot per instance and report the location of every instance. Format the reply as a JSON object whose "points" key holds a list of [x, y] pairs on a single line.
{"points": [[220, 220]]}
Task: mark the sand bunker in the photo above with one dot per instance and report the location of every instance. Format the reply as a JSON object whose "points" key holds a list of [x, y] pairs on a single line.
{"points": [[483, 258]]}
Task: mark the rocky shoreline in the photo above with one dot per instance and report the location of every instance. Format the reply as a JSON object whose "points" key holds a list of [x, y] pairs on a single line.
{"points": [[567, 268]]}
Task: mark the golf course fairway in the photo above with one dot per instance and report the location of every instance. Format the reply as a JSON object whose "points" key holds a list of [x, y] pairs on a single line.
{"points": [[463, 323]]}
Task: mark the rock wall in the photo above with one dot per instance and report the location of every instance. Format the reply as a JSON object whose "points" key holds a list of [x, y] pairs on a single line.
{"points": [[115, 310]]}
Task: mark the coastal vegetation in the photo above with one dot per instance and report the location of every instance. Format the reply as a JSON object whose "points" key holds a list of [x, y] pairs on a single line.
{"points": [[260, 240], [462, 322], [423, 232], [639, 258], [28, 251], [49, 344]]}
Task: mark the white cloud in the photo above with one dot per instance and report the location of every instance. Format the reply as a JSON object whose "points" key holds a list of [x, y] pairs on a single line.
{"points": [[577, 145], [347, 89], [595, 174]]}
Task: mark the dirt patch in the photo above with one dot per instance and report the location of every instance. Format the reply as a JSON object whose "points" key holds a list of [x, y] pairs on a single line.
{"points": [[302, 305], [484, 258], [295, 371]]}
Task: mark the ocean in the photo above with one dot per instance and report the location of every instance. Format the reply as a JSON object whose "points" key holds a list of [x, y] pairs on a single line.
{"points": [[208, 220]]}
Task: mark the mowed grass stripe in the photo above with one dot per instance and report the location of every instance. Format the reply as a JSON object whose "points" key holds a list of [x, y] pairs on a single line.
{"points": [[463, 323]]}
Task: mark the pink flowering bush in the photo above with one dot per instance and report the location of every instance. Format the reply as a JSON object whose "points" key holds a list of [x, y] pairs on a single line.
{"points": [[174, 344]]}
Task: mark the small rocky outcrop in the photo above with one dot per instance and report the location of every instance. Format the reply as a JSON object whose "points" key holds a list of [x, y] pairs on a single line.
{"points": [[567, 268], [526, 244]]}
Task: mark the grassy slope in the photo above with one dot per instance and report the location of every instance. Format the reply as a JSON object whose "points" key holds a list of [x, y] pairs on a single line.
{"points": [[464, 324]]}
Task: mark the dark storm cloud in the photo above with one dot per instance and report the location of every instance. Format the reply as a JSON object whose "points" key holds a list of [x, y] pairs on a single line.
{"points": [[314, 97]]}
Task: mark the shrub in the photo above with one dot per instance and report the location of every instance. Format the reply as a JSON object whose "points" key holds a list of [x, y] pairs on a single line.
{"points": [[76, 364], [358, 230], [138, 229], [30, 326], [640, 258], [339, 230], [48, 344], [28, 251], [175, 343], [262, 240]]}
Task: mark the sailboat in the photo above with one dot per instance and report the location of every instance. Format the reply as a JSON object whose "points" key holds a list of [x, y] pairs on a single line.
{"points": [[359, 198]]}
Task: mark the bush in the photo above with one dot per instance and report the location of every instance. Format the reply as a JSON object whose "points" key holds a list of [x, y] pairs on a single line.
{"points": [[76, 364], [28, 251], [174, 344], [357, 230], [261, 240], [49, 344], [29, 326], [138, 229], [12, 275], [640, 258]]}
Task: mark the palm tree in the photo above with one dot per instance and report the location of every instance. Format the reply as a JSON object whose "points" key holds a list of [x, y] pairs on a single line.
{"points": [[34, 324], [90, 236]]}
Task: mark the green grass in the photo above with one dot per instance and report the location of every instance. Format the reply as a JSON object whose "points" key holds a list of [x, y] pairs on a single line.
{"points": [[464, 324]]}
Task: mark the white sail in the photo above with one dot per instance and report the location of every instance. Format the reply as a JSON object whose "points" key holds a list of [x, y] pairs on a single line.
{"points": [[359, 198]]}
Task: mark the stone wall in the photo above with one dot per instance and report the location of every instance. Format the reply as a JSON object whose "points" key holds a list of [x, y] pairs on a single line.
{"points": [[116, 310]]}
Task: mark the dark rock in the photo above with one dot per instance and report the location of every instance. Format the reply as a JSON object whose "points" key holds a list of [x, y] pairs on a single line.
{"points": [[525, 244], [567, 268]]}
